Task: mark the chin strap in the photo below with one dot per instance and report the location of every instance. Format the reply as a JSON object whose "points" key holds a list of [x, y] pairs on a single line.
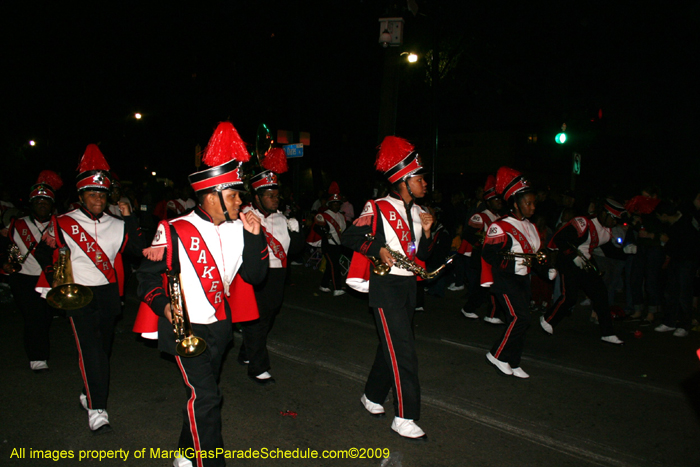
{"points": [[223, 206], [409, 190]]}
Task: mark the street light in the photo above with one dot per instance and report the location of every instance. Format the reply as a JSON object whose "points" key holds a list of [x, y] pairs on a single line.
{"points": [[137, 116], [32, 142]]}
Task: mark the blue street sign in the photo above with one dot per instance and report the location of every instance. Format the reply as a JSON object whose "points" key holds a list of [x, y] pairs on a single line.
{"points": [[294, 150]]}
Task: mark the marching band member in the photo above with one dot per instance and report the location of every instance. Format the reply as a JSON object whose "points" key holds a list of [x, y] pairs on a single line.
{"points": [[283, 237], [475, 233], [206, 249], [25, 234], [96, 241], [575, 241], [329, 225], [394, 221], [509, 277]]}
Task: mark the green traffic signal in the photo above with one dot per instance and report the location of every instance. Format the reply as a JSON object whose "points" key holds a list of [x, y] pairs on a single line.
{"points": [[560, 138]]}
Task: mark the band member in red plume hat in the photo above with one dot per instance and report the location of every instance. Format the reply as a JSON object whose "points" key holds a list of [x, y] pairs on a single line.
{"points": [[394, 222], [475, 233], [96, 241], [215, 253], [576, 241], [284, 237], [24, 268], [326, 230], [509, 276]]}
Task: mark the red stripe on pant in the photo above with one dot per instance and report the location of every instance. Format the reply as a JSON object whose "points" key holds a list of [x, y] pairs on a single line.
{"points": [[561, 300], [394, 363], [190, 413], [510, 327], [81, 364]]}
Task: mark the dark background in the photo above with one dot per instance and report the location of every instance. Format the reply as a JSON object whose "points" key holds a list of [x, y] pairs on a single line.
{"points": [[620, 74]]}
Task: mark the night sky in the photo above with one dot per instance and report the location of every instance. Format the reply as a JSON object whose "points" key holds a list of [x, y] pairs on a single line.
{"points": [[75, 76]]}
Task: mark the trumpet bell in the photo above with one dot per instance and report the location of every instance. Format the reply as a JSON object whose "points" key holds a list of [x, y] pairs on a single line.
{"points": [[69, 296], [191, 346]]}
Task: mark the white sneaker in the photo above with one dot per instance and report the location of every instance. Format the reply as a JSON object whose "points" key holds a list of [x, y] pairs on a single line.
{"points": [[182, 462], [419, 308], [520, 373], [324, 289], [546, 326], [264, 375], [680, 332], [375, 410], [408, 429], [338, 293], [455, 288], [613, 339], [504, 367], [586, 302], [469, 315], [664, 328], [99, 421], [83, 401], [39, 365], [488, 319]]}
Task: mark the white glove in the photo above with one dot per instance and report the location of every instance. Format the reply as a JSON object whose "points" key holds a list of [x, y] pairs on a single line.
{"points": [[552, 274], [578, 261], [630, 249], [293, 225]]}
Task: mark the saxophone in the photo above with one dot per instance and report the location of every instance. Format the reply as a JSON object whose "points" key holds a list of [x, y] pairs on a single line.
{"points": [[380, 268], [15, 258], [588, 265], [188, 345]]}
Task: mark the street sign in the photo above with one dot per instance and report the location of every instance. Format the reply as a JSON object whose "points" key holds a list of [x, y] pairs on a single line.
{"points": [[577, 164], [294, 150]]}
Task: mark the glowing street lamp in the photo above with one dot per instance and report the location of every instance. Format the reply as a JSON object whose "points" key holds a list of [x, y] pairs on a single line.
{"points": [[32, 142], [137, 116], [412, 58]]}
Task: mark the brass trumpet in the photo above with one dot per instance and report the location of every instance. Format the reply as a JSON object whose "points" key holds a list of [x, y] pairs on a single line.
{"points": [[66, 294], [588, 265], [540, 257], [188, 345], [15, 258]]}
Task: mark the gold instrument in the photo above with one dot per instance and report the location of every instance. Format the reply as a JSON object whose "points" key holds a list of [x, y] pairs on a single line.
{"points": [[188, 345], [588, 265], [15, 258], [65, 293], [540, 257], [380, 268]]}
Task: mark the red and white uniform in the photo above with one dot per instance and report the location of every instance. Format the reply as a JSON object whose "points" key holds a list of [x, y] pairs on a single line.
{"points": [[26, 233], [276, 229]]}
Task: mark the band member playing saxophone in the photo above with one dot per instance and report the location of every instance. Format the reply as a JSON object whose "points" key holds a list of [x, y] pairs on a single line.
{"points": [[575, 241], [211, 249], [24, 268], [398, 222]]}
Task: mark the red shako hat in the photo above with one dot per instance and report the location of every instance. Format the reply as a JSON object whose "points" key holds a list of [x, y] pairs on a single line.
{"points": [[397, 159], [334, 193], [509, 182], [224, 154], [46, 185], [490, 188], [93, 171], [274, 163]]}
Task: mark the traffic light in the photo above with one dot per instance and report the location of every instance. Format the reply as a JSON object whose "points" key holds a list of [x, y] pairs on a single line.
{"points": [[560, 138]]}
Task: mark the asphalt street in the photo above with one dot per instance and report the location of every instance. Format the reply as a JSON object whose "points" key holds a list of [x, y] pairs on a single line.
{"points": [[586, 404]]}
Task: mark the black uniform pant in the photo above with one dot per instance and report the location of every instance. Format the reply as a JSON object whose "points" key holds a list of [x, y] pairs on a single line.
{"points": [[396, 363], [332, 277], [269, 297], [93, 328], [201, 427], [36, 313], [574, 279], [513, 295]]}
